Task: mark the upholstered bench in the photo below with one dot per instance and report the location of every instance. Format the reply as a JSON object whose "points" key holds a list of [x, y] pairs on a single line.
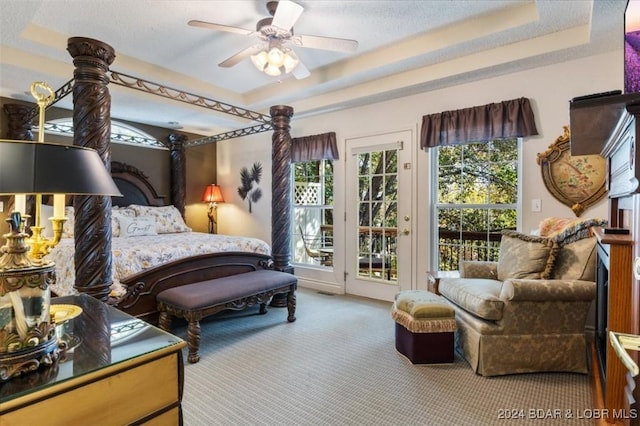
{"points": [[196, 301], [425, 326]]}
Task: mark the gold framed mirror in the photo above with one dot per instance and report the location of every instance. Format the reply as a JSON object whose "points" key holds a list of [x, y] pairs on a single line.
{"points": [[576, 181]]}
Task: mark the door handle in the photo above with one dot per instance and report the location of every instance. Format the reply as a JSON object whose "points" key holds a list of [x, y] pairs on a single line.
{"points": [[405, 231]]}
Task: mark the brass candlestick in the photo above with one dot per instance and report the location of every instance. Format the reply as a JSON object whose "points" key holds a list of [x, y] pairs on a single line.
{"points": [[41, 246]]}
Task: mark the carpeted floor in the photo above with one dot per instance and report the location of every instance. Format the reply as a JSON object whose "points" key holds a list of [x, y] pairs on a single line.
{"points": [[337, 365]]}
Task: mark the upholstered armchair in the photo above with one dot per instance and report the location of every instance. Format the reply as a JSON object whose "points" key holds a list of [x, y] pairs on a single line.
{"points": [[527, 311]]}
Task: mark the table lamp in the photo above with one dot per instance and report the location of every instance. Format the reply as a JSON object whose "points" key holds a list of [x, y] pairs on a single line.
{"points": [[213, 196], [27, 332]]}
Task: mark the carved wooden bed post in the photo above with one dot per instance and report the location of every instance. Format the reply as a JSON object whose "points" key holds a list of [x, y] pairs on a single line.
{"points": [[92, 129], [178, 171], [18, 128], [281, 191]]}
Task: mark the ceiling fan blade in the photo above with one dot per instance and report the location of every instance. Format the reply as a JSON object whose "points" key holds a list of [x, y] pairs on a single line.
{"points": [[300, 71], [325, 43], [243, 54], [212, 26], [287, 13]]}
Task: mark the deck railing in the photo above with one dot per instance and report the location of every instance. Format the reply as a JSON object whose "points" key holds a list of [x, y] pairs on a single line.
{"points": [[454, 246]]}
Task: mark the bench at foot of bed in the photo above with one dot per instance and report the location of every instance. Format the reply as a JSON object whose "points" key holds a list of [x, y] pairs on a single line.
{"points": [[196, 301]]}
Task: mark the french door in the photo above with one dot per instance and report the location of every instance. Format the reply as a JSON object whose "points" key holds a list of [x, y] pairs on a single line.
{"points": [[378, 236]]}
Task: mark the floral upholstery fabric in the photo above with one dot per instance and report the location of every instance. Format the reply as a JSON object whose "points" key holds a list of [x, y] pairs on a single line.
{"points": [[517, 325], [540, 317], [576, 261], [168, 218], [478, 269], [525, 256], [69, 224], [132, 255], [117, 215], [478, 296], [567, 230]]}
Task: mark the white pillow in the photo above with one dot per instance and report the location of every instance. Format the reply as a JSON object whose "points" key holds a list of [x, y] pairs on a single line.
{"points": [[137, 226], [118, 213], [168, 218]]}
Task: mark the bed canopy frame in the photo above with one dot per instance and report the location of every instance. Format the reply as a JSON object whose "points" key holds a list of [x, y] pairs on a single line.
{"points": [[92, 129]]}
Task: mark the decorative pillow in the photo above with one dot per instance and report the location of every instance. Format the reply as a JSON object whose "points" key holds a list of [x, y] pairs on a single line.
{"points": [[576, 261], [553, 225], [168, 218], [137, 226], [566, 230], [525, 256], [116, 214]]}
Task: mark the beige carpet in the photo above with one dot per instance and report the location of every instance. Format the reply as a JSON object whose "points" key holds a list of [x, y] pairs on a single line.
{"points": [[337, 365]]}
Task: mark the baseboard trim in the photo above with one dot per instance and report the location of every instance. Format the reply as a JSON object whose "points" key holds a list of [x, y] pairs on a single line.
{"points": [[318, 285]]}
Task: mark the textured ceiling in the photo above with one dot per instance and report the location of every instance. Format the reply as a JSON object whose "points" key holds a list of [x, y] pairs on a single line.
{"points": [[404, 47]]}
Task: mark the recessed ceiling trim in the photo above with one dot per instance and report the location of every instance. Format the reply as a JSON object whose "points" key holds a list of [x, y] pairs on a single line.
{"points": [[442, 38], [488, 58]]}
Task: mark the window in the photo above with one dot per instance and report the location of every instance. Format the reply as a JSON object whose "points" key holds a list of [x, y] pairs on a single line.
{"points": [[477, 195], [120, 133], [313, 213]]}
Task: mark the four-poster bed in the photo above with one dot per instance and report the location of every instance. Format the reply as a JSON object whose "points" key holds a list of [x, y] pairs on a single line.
{"points": [[92, 215]]}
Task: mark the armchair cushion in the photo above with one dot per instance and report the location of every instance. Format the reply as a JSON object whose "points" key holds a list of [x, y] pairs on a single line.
{"points": [[479, 296], [525, 256], [547, 290]]}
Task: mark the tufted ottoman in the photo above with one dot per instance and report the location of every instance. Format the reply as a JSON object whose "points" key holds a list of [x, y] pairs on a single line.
{"points": [[425, 325]]}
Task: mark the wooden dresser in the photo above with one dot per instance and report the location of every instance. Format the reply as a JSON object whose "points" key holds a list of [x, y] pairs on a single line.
{"points": [[119, 370]]}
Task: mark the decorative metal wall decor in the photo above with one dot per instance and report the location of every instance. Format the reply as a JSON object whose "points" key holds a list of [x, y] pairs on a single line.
{"points": [[246, 190], [576, 181]]}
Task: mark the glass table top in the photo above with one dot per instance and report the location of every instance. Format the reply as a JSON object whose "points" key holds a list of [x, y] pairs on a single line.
{"points": [[97, 337]]}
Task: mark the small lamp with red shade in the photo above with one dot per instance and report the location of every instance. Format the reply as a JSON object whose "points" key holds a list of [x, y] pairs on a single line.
{"points": [[213, 196]]}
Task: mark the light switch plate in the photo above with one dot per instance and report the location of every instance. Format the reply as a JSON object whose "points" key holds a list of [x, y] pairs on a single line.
{"points": [[536, 205]]}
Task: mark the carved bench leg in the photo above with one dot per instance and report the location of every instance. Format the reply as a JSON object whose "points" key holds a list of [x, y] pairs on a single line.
{"points": [[291, 306], [164, 321], [263, 308], [193, 341]]}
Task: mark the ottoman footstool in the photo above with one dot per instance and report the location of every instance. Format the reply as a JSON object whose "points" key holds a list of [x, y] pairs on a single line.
{"points": [[425, 327]]}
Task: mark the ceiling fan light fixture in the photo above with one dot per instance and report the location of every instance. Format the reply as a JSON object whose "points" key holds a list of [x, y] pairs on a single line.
{"points": [[290, 62], [272, 70], [276, 57], [260, 60]]}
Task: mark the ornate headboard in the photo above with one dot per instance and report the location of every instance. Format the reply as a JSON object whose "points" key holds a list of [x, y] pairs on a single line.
{"points": [[134, 186]]}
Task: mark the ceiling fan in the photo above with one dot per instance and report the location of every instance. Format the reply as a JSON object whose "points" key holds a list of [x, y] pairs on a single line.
{"points": [[273, 53]]}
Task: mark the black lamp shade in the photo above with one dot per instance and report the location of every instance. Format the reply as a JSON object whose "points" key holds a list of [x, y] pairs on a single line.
{"points": [[46, 168]]}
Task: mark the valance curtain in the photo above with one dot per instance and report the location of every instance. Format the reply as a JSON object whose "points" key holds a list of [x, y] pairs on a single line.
{"points": [[314, 147], [507, 119]]}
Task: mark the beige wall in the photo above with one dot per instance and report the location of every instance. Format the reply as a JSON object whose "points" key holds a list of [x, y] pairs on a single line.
{"points": [[549, 88]]}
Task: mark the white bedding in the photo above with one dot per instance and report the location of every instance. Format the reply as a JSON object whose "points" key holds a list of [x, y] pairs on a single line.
{"points": [[135, 254]]}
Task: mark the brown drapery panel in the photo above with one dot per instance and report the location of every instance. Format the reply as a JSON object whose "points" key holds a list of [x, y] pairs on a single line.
{"points": [[314, 147], [507, 119]]}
